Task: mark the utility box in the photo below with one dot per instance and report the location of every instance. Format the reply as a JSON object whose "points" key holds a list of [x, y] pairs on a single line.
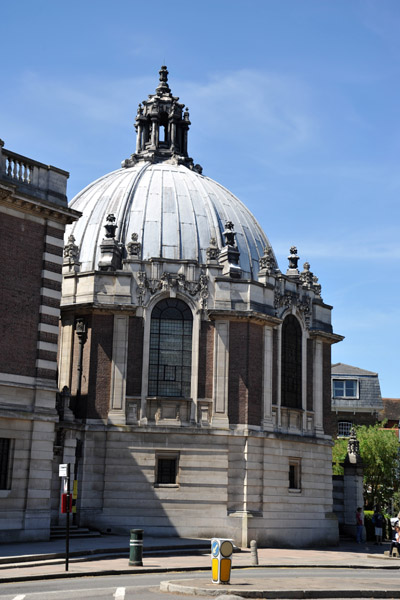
{"points": [[221, 559]]}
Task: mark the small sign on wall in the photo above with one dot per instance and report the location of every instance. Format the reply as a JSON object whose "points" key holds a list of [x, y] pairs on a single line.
{"points": [[63, 470]]}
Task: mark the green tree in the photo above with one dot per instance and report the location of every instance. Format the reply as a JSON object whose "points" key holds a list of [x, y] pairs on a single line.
{"points": [[379, 452]]}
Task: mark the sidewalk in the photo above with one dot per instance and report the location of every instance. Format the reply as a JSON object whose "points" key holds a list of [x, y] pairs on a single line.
{"points": [[109, 555]]}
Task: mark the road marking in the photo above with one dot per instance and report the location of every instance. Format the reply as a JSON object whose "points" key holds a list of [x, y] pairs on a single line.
{"points": [[20, 597], [119, 594]]}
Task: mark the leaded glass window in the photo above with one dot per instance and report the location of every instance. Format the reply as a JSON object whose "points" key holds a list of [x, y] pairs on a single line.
{"points": [[291, 387], [170, 361]]}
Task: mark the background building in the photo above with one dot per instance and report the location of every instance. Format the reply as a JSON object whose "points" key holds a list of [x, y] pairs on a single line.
{"points": [[356, 398], [33, 215], [199, 373]]}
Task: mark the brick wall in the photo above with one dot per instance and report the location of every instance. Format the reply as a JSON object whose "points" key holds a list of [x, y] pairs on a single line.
{"points": [[135, 357], [100, 366], [21, 246], [206, 358], [245, 373], [96, 368]]}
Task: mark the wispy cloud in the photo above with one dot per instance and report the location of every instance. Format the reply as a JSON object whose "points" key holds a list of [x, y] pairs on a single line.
{"points": [[251, 108]]}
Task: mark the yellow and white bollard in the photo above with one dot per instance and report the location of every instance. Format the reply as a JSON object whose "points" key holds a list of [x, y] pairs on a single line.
{"points": [[221, 560]]}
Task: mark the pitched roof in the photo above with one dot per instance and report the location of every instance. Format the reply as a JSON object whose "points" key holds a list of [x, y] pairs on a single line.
{"points": [[342, 369], [391, 409]]}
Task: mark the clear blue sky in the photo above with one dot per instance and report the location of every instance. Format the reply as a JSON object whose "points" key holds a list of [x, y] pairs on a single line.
{"points": [[294, 107]]}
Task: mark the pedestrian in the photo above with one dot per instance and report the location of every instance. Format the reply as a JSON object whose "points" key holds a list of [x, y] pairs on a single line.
{"points": [[360, 525], [395, 541], [378, 520]]}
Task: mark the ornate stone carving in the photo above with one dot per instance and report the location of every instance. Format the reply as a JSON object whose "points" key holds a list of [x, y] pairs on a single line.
{"points": [[292, 299], [172, 282], [71, 256], [212, 251], [267, 261], [293, 258], [71, 250], [134, 247], [309, 280], [230, 234], [110, 226], [353, 445]]}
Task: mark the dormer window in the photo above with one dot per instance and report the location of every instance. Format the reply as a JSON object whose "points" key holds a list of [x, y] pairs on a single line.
{"points": [[345, 388]]}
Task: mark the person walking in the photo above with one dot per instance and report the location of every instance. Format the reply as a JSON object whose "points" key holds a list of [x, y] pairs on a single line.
{"points": [[395, 541], [360, 525], [378, 521]]}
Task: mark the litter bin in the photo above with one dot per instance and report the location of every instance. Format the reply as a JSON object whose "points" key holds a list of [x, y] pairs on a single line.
{"points": [[136, 548], [221, 559]]}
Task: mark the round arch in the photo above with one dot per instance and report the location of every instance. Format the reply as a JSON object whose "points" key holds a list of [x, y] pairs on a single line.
{"points": [[170, 352]]}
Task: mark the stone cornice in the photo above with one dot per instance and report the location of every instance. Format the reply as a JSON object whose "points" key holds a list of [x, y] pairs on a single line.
{"points": [[90, 307], [330, 338], [244, 315], [10, 197]]}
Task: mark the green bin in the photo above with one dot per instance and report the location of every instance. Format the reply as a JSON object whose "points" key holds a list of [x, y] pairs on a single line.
{"points": [[136, 548]]}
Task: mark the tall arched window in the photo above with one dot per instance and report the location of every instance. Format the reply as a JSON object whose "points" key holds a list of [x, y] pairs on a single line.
{"points": [[170, 361], [291, 380]]}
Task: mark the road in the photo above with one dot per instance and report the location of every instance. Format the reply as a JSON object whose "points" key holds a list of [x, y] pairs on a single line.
{"points": [[146, 586]]}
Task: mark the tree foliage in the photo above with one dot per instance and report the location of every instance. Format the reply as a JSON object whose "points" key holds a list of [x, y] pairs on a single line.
{"points": [[379, 452]]}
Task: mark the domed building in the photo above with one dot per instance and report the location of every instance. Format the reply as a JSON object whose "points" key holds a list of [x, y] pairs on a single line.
{"points": [[195, 374]]}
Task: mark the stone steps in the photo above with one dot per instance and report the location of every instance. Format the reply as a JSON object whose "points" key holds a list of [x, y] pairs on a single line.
{"points": [[58, 532]]}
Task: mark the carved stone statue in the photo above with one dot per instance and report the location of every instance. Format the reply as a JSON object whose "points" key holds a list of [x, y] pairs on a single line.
{"points": [[110, 226], [229, 234]]}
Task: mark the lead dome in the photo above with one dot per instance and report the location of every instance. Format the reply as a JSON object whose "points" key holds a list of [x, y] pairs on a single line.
{"points": [[162, 198]]}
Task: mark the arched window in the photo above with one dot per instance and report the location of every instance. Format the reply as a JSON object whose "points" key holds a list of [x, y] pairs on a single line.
{"points": [[291, 380], [170, 362]]}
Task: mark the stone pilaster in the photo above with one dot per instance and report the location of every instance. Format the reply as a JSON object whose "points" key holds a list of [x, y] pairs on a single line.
{"points": [[318, 387], [117, 414], [221, 371], [267, 379]]}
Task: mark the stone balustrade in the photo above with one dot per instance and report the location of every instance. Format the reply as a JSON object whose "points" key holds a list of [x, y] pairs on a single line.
{"points": [[44, 181]]}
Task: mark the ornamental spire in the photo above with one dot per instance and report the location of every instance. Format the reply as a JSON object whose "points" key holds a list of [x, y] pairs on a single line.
{"points": [[163, 87], [162, 125]]}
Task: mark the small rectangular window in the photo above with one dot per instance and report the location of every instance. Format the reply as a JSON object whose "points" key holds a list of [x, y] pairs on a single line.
{"points": [[6, 448], [345, 388], [166, 469], [344, 428], [294, 474]]}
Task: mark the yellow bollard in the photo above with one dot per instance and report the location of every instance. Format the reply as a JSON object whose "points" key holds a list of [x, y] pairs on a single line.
{"points": [[221, 560]]}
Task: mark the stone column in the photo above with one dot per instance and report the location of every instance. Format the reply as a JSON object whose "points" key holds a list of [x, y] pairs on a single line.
{"points": [[117, 414], [267, 379], [304, 380], [279, 377], [195, 366], [139, 138], [153, 134], [352, 484], [66, 344], [221, 374], [172, 135], [318, 387]]}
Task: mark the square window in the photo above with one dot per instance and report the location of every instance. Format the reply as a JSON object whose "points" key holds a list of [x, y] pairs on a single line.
{"points": [[166, 469], [294, 474]]}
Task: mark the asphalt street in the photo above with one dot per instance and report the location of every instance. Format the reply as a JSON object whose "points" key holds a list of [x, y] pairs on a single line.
{"points": [[146, 586]]}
